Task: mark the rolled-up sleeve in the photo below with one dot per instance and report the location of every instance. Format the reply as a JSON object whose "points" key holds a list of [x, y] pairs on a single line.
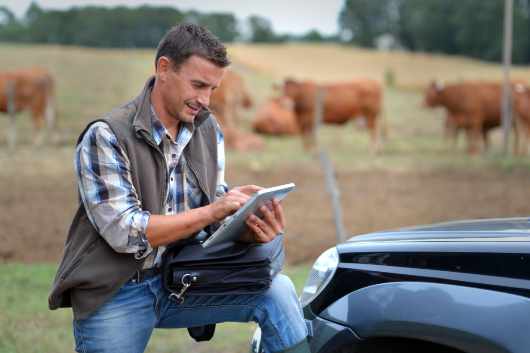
{"points": [[107, 192]]}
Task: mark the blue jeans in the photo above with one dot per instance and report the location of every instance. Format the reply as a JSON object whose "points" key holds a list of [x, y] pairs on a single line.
{"points": [[126, 321]]}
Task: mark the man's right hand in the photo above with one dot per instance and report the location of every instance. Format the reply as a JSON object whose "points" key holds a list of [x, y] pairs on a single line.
{"points": [[232, 201], [165, 229]]}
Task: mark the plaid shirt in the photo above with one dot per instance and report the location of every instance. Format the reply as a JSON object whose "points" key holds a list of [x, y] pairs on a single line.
{"points": [[110, 199]]}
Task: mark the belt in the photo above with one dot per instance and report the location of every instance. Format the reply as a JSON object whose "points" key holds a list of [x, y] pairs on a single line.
{"points": [[141, 275]]}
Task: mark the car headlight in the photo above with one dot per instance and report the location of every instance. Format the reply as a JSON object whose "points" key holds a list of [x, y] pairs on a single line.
{"points": [[256, 346], [323, 270]]}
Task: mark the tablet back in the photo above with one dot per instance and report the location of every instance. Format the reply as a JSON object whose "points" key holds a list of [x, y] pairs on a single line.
{"points": [[235, 225]]}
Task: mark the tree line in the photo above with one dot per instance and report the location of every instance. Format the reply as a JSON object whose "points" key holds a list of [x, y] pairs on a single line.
{"points": [[464, 27], [125, 27]]}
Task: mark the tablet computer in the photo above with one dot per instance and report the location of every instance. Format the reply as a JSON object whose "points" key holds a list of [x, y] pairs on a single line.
{"points": [[235, 224]]}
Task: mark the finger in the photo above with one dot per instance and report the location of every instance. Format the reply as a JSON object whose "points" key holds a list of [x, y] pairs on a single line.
{"points": [[236, 203], [270, 219], [235, 192], [239, 194], [230, 207], [240, 197], [249, 189], [278, 213], [237, 197], [259, 235], [229, 204], [267, 230]]}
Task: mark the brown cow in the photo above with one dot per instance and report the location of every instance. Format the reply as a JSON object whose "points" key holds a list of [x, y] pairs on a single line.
{"points": [[474, 106], [276, 117], [342, 102], [30, 89], [242, 141], [229, 98], [226, 103], [456, 122]]}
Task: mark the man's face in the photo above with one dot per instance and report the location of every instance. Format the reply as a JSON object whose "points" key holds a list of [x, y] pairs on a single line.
{"points": [[188, 89]]}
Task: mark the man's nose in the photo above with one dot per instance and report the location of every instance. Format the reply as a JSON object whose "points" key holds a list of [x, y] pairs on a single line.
{"points": [[204, 98]]}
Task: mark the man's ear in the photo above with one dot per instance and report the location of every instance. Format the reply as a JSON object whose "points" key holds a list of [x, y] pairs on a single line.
{"points": [[163, 66]]}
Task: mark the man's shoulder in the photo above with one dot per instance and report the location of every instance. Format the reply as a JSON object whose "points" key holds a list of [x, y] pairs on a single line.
{"points": [[121, 116], [120, 119], [115, 122], [95, 132], [97, 127]]}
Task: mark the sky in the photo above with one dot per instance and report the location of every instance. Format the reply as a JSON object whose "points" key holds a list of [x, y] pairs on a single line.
{"points": [[294, 16]]}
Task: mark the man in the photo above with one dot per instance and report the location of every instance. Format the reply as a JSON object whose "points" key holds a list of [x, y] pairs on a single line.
{"points": [[149, 174]]}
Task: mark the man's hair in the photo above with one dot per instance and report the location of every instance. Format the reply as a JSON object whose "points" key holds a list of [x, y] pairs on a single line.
{"points": [[185, 40]]}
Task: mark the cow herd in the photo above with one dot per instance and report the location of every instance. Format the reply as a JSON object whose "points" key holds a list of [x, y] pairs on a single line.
{"points": [[473, 107], [292, 111]]}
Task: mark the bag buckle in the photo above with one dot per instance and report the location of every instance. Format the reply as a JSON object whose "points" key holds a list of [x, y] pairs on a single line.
{"points": [[186, 281]]}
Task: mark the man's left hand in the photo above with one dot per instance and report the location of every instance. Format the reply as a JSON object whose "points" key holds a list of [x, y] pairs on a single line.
{"points": [[265, 229]]}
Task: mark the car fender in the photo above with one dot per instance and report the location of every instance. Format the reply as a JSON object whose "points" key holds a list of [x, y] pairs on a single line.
{"points": [[467, 318]]}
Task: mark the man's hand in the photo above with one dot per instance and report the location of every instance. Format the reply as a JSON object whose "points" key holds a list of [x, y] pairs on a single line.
{"points": [[232, 201], [265, 229]]}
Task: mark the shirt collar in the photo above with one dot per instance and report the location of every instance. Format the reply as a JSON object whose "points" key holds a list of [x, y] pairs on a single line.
{"points": [[159, 130]]}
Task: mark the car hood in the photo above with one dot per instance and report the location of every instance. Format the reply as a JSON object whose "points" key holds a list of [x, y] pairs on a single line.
{"points": [[499, 229]]}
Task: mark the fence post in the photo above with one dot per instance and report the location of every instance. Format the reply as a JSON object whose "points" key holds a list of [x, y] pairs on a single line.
{"points": [[507, 107], [12, 133], [329, 172]]}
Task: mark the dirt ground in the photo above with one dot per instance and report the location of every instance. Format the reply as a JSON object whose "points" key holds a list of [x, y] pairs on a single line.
{"points": [[35, 212]]}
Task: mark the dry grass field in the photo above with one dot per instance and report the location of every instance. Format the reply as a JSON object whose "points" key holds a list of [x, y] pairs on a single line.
{"points": [[415, 180], [334, 62]]}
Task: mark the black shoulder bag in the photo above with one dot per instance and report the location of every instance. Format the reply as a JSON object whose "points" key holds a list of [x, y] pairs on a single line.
{"points": [[222, 269]]}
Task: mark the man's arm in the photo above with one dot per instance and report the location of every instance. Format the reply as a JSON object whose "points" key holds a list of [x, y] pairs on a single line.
{"points": [[113, 207], [163, 230], [107, 192]]}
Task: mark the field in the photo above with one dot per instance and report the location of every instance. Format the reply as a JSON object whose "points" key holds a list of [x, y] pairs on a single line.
{"points": [[416, 179]]}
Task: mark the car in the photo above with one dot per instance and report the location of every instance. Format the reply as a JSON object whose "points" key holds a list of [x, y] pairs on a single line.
{"points": [[456, 287]]}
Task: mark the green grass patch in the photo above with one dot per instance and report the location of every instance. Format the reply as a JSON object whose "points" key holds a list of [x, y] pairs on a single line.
{"points": [[27, 326]]}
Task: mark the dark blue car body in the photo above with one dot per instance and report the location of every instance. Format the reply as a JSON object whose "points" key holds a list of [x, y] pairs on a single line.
{"points": [[452, 287]]}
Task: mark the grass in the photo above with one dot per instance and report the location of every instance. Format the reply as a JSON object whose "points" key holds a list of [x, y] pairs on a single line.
{"points": [[29, 327], [334, 62]]}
